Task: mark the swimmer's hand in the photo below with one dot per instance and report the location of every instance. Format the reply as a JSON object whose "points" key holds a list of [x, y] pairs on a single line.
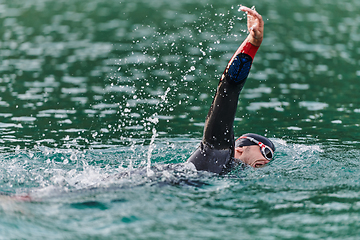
{"points": [[255, 25]]}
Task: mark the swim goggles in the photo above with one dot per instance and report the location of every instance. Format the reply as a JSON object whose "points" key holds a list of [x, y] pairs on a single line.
{"points": [[266, 151]]}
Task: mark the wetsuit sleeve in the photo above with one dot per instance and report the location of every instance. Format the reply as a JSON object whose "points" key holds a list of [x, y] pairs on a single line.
{"points": [[216, 150]]}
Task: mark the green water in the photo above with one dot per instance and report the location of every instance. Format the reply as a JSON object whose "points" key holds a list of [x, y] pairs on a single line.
{"points": [[97, 97]]}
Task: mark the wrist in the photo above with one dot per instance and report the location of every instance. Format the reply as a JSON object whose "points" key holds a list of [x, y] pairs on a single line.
{"points": [[255, 41], [249, 48]]}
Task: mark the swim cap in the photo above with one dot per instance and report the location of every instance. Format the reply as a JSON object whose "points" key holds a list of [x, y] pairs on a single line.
{"points": [[241, 142]]}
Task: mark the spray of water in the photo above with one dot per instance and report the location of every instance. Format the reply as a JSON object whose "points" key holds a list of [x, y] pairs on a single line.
{"points": [[155, 121], [151, 148]]}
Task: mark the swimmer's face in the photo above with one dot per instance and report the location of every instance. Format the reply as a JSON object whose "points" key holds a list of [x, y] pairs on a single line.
{"points": [[251, 155]]}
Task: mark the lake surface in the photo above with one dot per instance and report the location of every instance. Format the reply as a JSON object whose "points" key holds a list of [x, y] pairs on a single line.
{"points": [[101, 102]]}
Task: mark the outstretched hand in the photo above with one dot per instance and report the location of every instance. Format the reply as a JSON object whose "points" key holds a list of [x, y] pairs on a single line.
{"points": [[255, 25]]}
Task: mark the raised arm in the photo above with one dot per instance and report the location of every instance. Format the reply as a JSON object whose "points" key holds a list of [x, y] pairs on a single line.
{"points": [[216, 150], [218, 129]]}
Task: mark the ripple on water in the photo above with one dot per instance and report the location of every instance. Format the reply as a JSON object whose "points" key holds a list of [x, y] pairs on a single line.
{"points": [[313, 106]]}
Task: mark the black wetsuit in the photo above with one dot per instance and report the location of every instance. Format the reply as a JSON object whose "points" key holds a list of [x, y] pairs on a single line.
{"points": [[216, 150]]}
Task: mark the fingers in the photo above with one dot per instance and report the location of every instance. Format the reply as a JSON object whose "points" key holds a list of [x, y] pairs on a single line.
{"points": [[251, 12]]}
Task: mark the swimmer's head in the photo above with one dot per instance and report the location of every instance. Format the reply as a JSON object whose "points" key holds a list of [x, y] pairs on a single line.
{"points": [[254, 149], [243, 141]]}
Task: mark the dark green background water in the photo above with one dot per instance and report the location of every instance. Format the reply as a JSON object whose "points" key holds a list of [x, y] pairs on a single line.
{"points": [[91, 89]]}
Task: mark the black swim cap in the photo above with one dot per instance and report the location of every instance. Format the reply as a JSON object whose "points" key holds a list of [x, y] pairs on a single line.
{"points": [[240, 142]]}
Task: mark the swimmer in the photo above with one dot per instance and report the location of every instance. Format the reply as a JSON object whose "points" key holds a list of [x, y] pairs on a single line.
{"points": [[218, 151]]}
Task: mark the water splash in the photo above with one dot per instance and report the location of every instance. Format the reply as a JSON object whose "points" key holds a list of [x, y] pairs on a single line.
{"points": [[163, 97], [151, 148]]}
